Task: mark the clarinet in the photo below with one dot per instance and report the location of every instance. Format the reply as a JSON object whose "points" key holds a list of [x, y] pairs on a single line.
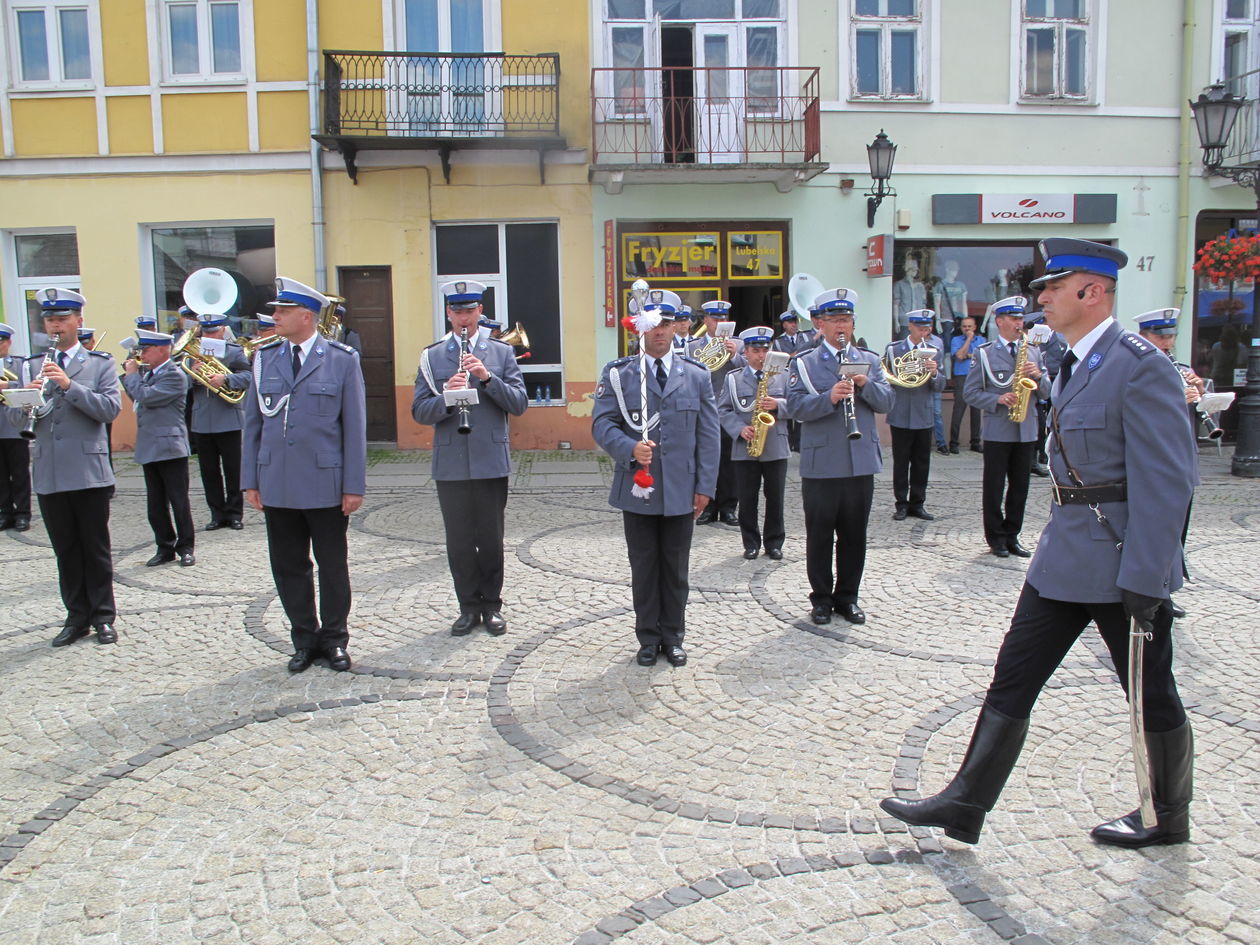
{"points": [[465, 420], [847, 405], [1211, 429], [35, 414]]}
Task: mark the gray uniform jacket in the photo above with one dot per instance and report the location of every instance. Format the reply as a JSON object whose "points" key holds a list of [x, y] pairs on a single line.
{"points": [[305, 439], [16, 365], [1122, 418], [719, 376], [685, 459], [210, 412], [1052, 354], [988, 379], [71, 445], [803, 340], [826, 450], [483, 453], [735, 408], [159, 399], [912, 406]]}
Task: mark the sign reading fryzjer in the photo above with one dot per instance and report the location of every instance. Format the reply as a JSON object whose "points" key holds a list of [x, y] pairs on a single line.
{"points": [[1027, 208]]}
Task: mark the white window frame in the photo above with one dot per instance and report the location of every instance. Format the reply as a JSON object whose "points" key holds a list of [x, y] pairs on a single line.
{"points": [[160, 10], [887, 25], [16, 289], [1087, 23], [1249, 28], [394, 16], [52, 30], [145, 237]]}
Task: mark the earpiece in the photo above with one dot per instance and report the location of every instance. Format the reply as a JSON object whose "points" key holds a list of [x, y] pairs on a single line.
{"points": [[1080, 293]]}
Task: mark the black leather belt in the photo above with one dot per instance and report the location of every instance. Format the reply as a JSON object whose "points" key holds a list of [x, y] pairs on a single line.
{"points": [[1091, 495]]}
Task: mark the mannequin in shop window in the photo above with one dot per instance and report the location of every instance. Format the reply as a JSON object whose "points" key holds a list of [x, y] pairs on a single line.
{"points": [[909, 294]]}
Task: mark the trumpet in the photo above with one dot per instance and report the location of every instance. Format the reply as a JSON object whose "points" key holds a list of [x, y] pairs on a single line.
{"points": [[465, 416]]}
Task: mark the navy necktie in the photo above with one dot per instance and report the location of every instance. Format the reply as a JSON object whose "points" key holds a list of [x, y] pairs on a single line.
{"points": [[61, 360], [1065, 370], [1011, 345], [758, 373], [661, 376], [297, 360]]}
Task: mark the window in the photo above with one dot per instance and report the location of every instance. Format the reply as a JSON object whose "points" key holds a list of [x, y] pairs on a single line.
{"points": [[202, 40], [887, 37], [520, 266], [1054, 46], [41, 260], [247, 252], [52, 44], [444, 95], [1240, 30]]}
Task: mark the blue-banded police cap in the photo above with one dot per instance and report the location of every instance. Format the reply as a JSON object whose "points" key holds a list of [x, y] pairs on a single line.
{"points": [[685, 312], [716, 308], [153, 339], [186, 312], [757, 336], [265, 320], [490, 323], [463, 293], [836, 302], [293, 294], [6, 332], [1161, 321], [921, 316], [1064, 255], [789, 316], [212, 320], [340, 311], [146, 321], [87, 334], [1011, 305], [664, 303], [53, 301]]}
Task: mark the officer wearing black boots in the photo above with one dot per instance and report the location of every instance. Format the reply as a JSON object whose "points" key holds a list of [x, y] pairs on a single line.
{"points": [[1124, 465], [15, 452]]}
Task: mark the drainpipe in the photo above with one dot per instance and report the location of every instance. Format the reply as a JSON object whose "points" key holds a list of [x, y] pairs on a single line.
{"points": [[317, 175], [1185, 152]]}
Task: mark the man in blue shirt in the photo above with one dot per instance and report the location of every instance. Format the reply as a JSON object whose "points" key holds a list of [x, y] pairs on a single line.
{"points": [[962, 347]]}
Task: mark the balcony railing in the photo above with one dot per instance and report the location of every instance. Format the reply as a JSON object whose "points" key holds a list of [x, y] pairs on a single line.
{"points": [[1244, 142], [704, 116]]}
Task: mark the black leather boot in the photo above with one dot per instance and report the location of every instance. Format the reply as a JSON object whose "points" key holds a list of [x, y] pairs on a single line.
{"points": [[1172, 784], [995, 746]]}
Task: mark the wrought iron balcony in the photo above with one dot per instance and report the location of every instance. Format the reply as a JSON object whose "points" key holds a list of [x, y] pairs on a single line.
{"points": [[441, 101], [668, 123], [1244, 141]]}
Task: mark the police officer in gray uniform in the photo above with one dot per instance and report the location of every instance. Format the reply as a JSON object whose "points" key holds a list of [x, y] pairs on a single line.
{"points": [[793, 340], [216, 428], [912, 417], [680, 453], [1052, 353], [72, 475], [15, 452], [1124, 464], [737, 402], [304, 466], [723, 506], [471, 461], [1009, 447], [162, 444], [838, 469]]}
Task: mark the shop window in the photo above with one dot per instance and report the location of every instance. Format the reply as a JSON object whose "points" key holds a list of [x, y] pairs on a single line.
{"points": [[1055, 44], [246, 251], [202, 39], [887, 44], [520, 266], [52, 44], [42, 260]]}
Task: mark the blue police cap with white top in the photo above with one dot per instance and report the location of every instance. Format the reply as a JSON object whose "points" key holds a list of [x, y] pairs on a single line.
{"points": [[716, 308], [1064, 256], [146, 321], [1011, 305], [340, 311], [921, 316], [186, 312], [490, 323], [664, 303], [757, 336], [836, 302], [463, 293], [212, 320], [1161, 321], [153, 339], [265, 320], [6, 332], [686, 312], [292, 294], [53, 301], [789, 316], [87, 334]]}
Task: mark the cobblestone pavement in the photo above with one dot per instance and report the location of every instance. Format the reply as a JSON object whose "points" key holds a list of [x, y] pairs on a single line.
{"points": [[182, 787]]}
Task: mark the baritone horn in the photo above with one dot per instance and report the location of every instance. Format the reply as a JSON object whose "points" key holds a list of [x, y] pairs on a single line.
{"points": [[207, 291]]}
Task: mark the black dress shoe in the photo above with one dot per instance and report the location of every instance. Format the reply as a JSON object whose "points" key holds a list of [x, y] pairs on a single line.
{"points": [[899, 515], [646, 656], [922, 513], [1177, 612], [187, 560], [161, 557], [977, 448], [676, 655], [215, 526], [728, 517], [943, 450], [68, 635], [467, 620], [851, 612], [6, 524], [496, 626], [338, 659], [954, 449], [106, 634], [705, 517], [1018, 550], [1041, 469], [821, 614], [774, 554], [999, 551], [751, 553], [235, 525], [22, 523], [300, 661]]}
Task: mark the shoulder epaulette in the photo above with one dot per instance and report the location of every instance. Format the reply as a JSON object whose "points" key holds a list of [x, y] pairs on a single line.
{"points": [[341, 345], [1136, 344], [690, 360], [499, 341], [867, 350], [623, 361], [440, 341], [102, 354]]}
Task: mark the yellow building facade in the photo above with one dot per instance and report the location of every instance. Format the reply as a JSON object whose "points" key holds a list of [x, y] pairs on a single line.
{"points": [[144, 139]]}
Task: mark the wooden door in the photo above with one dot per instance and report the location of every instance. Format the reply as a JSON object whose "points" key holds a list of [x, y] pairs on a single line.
{"points": [[368, 291]]}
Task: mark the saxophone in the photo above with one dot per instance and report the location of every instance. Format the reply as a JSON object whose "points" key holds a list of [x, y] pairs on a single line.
{"points": [[1023, 386], [762, 420]]}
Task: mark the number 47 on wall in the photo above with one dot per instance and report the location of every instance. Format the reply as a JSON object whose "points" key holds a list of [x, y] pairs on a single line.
{"points": [[1146, 263]]}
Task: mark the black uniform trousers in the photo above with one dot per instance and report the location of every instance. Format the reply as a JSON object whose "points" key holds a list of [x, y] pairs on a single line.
{"points": [[1007, 467], [836, 515], [659, 549], [292, 534], [15, 479], [78, 527], [912, 458], [473, 512], [959, 409], [770, 478], [219, 458], [1043, 630], [1043, 410], [166, 486], [727, 495]]}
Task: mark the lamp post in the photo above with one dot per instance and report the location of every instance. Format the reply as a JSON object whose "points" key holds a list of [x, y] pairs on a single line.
{"points": [[1215, 113], [880, 154]]}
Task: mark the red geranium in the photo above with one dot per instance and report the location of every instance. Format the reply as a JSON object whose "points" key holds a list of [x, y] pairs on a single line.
{"points": [[1232, 259]]}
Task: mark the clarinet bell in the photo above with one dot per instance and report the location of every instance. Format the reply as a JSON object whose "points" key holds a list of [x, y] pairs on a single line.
{"points": [[465, 422]]}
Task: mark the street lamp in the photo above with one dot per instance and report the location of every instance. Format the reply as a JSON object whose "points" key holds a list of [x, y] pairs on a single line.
{"points": [[1215, 114], [880, 154]]}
